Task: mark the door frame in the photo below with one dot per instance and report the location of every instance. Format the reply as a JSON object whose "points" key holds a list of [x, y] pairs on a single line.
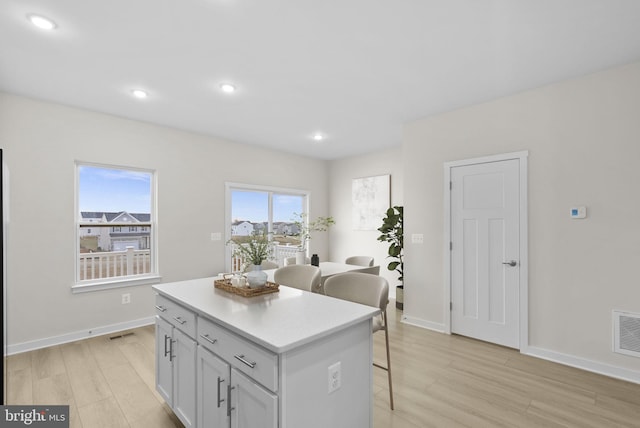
{"points": [[522, 157]]}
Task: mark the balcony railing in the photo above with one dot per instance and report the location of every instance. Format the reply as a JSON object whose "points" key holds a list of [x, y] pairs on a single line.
{"points": [[280, 253], [114, 264]]}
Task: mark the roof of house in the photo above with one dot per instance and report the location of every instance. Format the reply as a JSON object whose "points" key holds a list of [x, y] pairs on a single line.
{"points": [[110, 216]]}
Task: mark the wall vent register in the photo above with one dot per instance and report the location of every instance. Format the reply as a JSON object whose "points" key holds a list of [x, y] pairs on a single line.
{"points": [[626, 335]]}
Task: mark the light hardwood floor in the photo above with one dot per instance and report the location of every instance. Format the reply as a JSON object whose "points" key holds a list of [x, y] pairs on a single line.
{"points": [[439, 381]]}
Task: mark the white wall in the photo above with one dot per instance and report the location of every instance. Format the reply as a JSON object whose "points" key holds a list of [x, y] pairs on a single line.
{"points": [[41, 141], [345, 241], [583, 138]]}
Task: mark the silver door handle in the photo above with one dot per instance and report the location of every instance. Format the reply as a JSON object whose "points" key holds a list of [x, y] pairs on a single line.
{"points": [[511, 263], [229, 408], [220, 400]]}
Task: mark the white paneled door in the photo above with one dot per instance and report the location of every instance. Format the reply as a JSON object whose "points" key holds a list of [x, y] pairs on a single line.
{"points": [[485, 201]]}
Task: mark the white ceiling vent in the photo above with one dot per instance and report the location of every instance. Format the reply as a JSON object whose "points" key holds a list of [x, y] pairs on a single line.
{"points": [[626, 333]]}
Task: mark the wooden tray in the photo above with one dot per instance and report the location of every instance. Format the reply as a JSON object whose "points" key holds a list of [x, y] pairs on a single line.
{"points": [[225, 284]]}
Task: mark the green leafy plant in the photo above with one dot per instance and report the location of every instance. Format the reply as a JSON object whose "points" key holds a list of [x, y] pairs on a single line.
{"points": [[392, 232], [305, 227], [254, 249]]}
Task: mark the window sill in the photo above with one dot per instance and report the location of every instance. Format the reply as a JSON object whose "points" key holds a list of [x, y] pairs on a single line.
{"points": [[115, 283]]}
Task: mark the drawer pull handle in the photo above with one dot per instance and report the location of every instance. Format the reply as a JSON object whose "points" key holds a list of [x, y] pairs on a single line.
{"points": [[208, 339], [242, 360], [161, 308], [180, 320]]}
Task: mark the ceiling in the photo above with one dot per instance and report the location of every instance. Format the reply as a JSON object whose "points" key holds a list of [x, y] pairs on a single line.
{"points": [[353, 70]]}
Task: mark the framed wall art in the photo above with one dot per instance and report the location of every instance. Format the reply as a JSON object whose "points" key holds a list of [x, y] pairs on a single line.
{"points": [[371, 197]]}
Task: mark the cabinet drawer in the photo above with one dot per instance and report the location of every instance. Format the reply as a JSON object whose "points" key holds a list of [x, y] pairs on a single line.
{"points": [[256, 362], [179, 316]]}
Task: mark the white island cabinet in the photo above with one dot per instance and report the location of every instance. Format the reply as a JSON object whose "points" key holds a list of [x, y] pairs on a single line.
{"points": [[289, 359]]}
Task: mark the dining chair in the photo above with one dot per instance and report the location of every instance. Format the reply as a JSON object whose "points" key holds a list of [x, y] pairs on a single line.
{"points": [[304, 277], [292, 261], [266, 264], [359, 260], [370, 290], [373, 270]]}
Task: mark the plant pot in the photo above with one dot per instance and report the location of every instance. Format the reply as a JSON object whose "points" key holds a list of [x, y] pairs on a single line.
{"points": [[301, 257], [256, 278], [400, 297]]}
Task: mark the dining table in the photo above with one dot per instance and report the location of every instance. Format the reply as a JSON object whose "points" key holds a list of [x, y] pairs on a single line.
{"points": [[328, 269]]}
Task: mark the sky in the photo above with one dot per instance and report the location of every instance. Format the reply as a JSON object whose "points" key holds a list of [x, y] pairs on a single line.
{"points": [[254, 206], [114, 190]]}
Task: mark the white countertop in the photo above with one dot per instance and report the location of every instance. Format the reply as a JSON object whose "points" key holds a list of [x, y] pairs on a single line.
{"points": [[278, 321]]}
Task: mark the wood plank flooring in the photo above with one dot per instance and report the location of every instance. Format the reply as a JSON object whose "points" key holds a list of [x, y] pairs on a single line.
{"points": [[439, 381]]}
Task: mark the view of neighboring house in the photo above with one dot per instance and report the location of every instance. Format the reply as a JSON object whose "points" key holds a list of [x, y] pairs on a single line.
{"points": [[242, 228], [246, 228], [114, 231]]}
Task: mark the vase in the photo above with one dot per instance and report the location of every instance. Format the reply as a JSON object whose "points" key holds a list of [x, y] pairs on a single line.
{"points": [[301, 257], [256, 277]]}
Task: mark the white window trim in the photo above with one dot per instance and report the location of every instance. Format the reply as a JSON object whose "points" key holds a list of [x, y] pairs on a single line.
{"points": [[230, 186], [153, 277]]}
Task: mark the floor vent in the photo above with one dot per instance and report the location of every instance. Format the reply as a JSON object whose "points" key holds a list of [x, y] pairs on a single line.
{"points": [[626, 333], [120, 336]]}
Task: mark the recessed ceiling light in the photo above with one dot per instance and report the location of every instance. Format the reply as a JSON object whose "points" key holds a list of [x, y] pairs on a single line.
{"points": [[318, 137], [227, 88], [139, 93], [41, 22]]}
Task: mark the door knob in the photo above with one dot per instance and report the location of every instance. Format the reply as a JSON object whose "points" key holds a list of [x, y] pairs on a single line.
{"points": [[511, 263]]}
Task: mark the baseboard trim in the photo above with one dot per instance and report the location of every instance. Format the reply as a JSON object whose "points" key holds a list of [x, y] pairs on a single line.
{"points": [[418, 322], [78, 335], [584, 364]]}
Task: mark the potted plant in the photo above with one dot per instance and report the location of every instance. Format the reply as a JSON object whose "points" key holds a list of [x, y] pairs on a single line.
{"points": [[392, 232], [253, 250], [305, 227]]}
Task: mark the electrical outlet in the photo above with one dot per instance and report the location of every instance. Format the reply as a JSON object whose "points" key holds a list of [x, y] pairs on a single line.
{"points": [[335, 377], [216, 236], [126, 298], [417, 238]]}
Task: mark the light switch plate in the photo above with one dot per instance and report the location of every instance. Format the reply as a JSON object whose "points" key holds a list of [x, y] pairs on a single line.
{"points": [[216, 236]]}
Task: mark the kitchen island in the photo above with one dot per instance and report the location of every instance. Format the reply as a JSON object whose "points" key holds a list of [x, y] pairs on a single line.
{"points": [[288, 359]]}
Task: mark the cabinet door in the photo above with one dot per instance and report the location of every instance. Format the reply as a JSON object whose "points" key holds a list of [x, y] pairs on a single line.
{"points": [[213, 380], [252, 405], [164, 370], [184, 377]]}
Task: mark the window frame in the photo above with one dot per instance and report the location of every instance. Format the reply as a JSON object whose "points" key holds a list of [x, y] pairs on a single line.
{"points": [[230, 187], [153, 277]]}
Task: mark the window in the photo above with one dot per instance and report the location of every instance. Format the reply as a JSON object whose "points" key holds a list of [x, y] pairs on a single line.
{"points": [[115, 220], [257, 209]]}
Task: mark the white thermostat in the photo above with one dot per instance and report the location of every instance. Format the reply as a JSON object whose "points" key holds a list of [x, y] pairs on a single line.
{"points": [[579, 212]]}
